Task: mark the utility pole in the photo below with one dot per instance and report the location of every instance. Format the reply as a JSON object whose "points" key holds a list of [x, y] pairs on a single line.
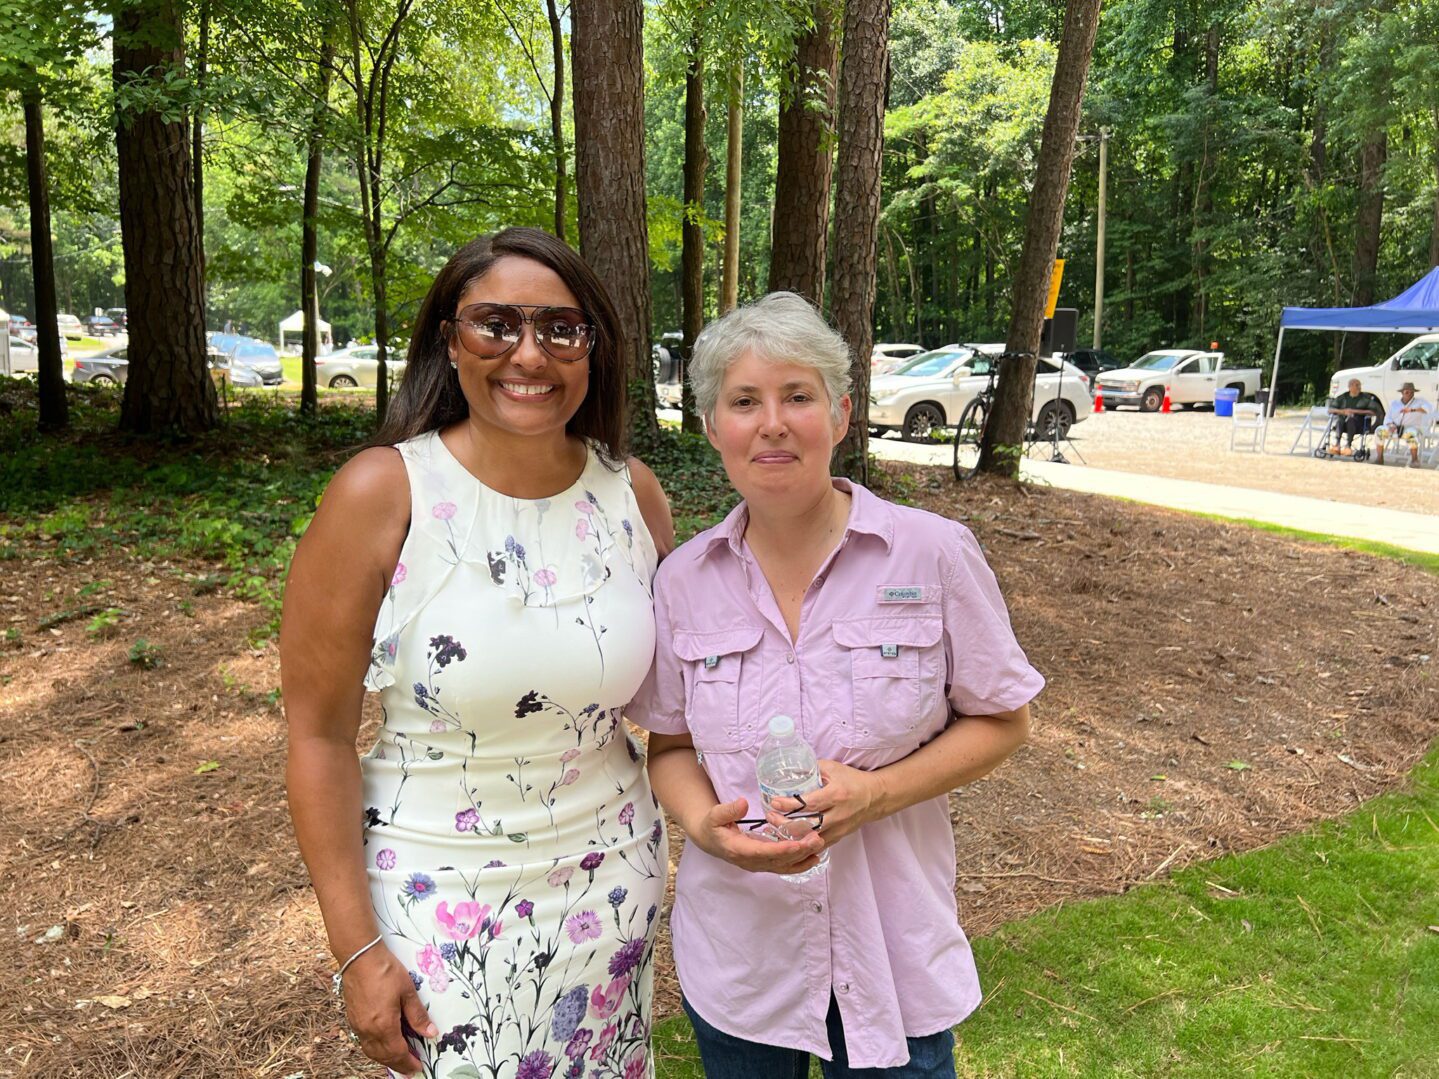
{"points": [[1099, 242]]}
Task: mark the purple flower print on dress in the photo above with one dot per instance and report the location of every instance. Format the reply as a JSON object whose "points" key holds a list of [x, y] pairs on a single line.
{"points": [[400, 574], [628, 957], [583, 926], [585, 507], [535, 1065], [561, 876], [466, 921], [416, 980], [578, 1043], [591, 498], [637, 1066], [450, 951], [576, 1069], [528, 705], [650, 914], [466, 820], [617, 895], [444, 648], [494, 863], [524, 908], [629, 528], [443, 511], [385, 859], [569, 755], [592, 860], [582, 528], [627, 813], [655, 831], [419, 886], [546, 577], [569, 1013], [569, 777]]}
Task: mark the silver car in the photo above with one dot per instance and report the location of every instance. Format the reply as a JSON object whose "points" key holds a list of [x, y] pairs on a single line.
{"points": [[25, 355], [358, 365], [109, 368]]}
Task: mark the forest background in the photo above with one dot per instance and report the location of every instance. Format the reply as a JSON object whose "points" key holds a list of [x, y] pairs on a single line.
{"points": [[1262, 153]]}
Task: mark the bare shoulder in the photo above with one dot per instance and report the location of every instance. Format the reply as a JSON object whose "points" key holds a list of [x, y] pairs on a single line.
{"points": [[372, 480], [364, 514], [653, 504]]}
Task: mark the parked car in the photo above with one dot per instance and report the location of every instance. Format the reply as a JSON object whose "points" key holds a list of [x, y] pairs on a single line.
{"points": [[23, 328], [252, 362], [24, 356], [119, 315], [101, 326], [1416, 362], [70, 326], [885, 357], [1191, 377], [1094, 361], [111, 367], [931, 391], [669, 385], [358, 365]]}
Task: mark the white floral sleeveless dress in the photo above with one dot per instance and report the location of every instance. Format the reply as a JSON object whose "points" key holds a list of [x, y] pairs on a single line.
{"points": [[516, 855]]}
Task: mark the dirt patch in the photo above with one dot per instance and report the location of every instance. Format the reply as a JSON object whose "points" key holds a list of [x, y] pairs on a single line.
{"points": [[1210, 688]]}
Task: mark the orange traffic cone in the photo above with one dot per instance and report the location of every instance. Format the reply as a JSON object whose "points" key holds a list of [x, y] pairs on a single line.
{"points": [[1165, 407], [1098, 399]]}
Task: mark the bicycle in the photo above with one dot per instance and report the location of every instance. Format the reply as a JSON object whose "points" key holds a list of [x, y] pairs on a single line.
{"points": [[969, 431]]}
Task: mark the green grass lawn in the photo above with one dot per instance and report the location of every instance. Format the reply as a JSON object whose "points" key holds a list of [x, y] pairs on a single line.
{"points": [[1318, 956], [1422, 559]]}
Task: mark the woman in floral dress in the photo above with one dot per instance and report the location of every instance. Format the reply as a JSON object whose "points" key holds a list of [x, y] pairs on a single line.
{"points": [[490, 872]]}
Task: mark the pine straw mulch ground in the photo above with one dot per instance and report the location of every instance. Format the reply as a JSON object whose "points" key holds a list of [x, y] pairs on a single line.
{"points": [[1210, 688]]}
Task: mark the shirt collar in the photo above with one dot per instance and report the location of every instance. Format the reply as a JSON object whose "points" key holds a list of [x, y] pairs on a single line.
{"points": [[868, 514]]}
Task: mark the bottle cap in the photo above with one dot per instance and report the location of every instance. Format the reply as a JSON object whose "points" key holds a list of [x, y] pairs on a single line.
{"points": [[781, 726]]}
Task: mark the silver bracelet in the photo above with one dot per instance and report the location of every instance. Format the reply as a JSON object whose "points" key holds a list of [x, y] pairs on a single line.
{"points": [[339, 979]]}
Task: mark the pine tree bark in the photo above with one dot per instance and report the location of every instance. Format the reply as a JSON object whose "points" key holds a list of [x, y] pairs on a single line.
{"points": [[168, 387], [197, 149], [805, 164], [733, 178], [1004, 431], [54, 409], [1367, 225], [610, 181], [309, 232], [1434, 229], [557, 117], [863, 88], [692, 251]]}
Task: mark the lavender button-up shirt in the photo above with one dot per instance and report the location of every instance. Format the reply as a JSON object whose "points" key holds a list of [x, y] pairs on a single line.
{"points": [[903, 629]]}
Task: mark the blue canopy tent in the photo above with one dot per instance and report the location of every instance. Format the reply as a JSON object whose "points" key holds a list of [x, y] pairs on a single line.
{"points": [[1415, 310]]}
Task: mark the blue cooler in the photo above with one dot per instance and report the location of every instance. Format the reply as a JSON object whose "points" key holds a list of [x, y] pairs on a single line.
{"points": [[1224, 402]]}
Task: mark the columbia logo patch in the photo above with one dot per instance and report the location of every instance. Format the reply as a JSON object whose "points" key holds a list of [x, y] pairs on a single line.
{"points": [[901, 594]]}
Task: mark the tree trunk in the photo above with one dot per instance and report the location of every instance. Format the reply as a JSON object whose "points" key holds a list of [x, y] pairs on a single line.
{"points": [[692, 253], [863, 88], [802, 178], [1004, 431], [309, 234], [734, 164], [197, 151], [1434, 229], [557, 116], [1367, 222], [54, 410], [610, 181], [168, 386]]}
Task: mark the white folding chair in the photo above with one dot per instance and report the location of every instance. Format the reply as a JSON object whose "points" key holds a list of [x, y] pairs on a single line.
{"points": [[1250, 419], [1312, 431], [1429, 443]]}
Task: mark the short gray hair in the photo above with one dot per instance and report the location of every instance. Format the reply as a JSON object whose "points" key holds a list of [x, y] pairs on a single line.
{"points": [[782, 327]]}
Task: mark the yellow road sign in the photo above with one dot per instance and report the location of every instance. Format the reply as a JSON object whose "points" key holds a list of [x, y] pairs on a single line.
{"points": [[1054, 280]]}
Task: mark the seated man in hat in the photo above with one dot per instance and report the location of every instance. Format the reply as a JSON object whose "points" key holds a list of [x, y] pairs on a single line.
{"points": [[1358, 411], [1408, 415]]}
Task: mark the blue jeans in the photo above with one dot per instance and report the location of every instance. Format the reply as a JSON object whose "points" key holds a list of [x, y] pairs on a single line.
{"points": [[726, 1057]]}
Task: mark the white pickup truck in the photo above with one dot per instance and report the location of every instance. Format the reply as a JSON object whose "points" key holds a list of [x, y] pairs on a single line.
{"points": [[1191, 377], [1416, 362]]}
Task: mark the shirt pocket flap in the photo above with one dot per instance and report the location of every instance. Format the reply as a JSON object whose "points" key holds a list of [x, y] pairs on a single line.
{"points": [[716, 651], [887, 647]]}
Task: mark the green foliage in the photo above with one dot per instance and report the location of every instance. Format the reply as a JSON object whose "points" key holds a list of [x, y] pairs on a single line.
{"points": [[146, 655], [104, 623]]}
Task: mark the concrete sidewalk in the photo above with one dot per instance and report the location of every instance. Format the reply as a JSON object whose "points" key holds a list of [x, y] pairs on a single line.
{"points": [[1414, 531]]}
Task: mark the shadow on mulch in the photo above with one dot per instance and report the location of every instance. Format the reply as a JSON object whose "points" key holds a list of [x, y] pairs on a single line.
{"points": [[1210, 689]]}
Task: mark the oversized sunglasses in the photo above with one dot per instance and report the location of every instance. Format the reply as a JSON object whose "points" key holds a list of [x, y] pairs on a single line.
{"points": [[493, 329]]}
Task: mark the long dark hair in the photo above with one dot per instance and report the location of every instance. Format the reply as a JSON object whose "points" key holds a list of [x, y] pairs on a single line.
{"points": [[429, 397]]}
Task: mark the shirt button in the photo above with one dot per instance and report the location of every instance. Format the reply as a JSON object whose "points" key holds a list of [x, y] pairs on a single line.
{"points": [[818, 581], [789, 657], [816, 907], [843, 987]]}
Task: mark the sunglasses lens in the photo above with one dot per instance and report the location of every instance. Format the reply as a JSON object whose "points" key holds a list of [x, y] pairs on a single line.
{"points": [[490, 329], [564, 333]]}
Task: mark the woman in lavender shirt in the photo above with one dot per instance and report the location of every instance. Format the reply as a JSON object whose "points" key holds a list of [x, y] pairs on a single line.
{"points": [[881, 630]]}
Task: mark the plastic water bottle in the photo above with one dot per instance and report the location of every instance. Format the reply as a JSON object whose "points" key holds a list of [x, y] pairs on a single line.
{"points": [[788, 767]]}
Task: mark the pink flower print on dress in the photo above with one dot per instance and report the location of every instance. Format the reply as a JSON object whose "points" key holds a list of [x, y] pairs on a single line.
{"points": [[560, 877], [400, 574], [585, 508], [430, 961], [637, 1066], [439, 981], [569, 755], [582, 927], [605, 1002], [385, 859], [437, 726], [602, 1043], [467, 919], [443, 511], [582, 528], [546, 577], [569, 777]]}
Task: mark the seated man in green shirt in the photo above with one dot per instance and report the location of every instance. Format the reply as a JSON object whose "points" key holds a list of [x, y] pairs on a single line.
{"points": [[1358, 413]]}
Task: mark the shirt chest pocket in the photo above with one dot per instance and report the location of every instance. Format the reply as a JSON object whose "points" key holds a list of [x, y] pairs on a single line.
{"points": [[722, 672], [894, 669]]}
